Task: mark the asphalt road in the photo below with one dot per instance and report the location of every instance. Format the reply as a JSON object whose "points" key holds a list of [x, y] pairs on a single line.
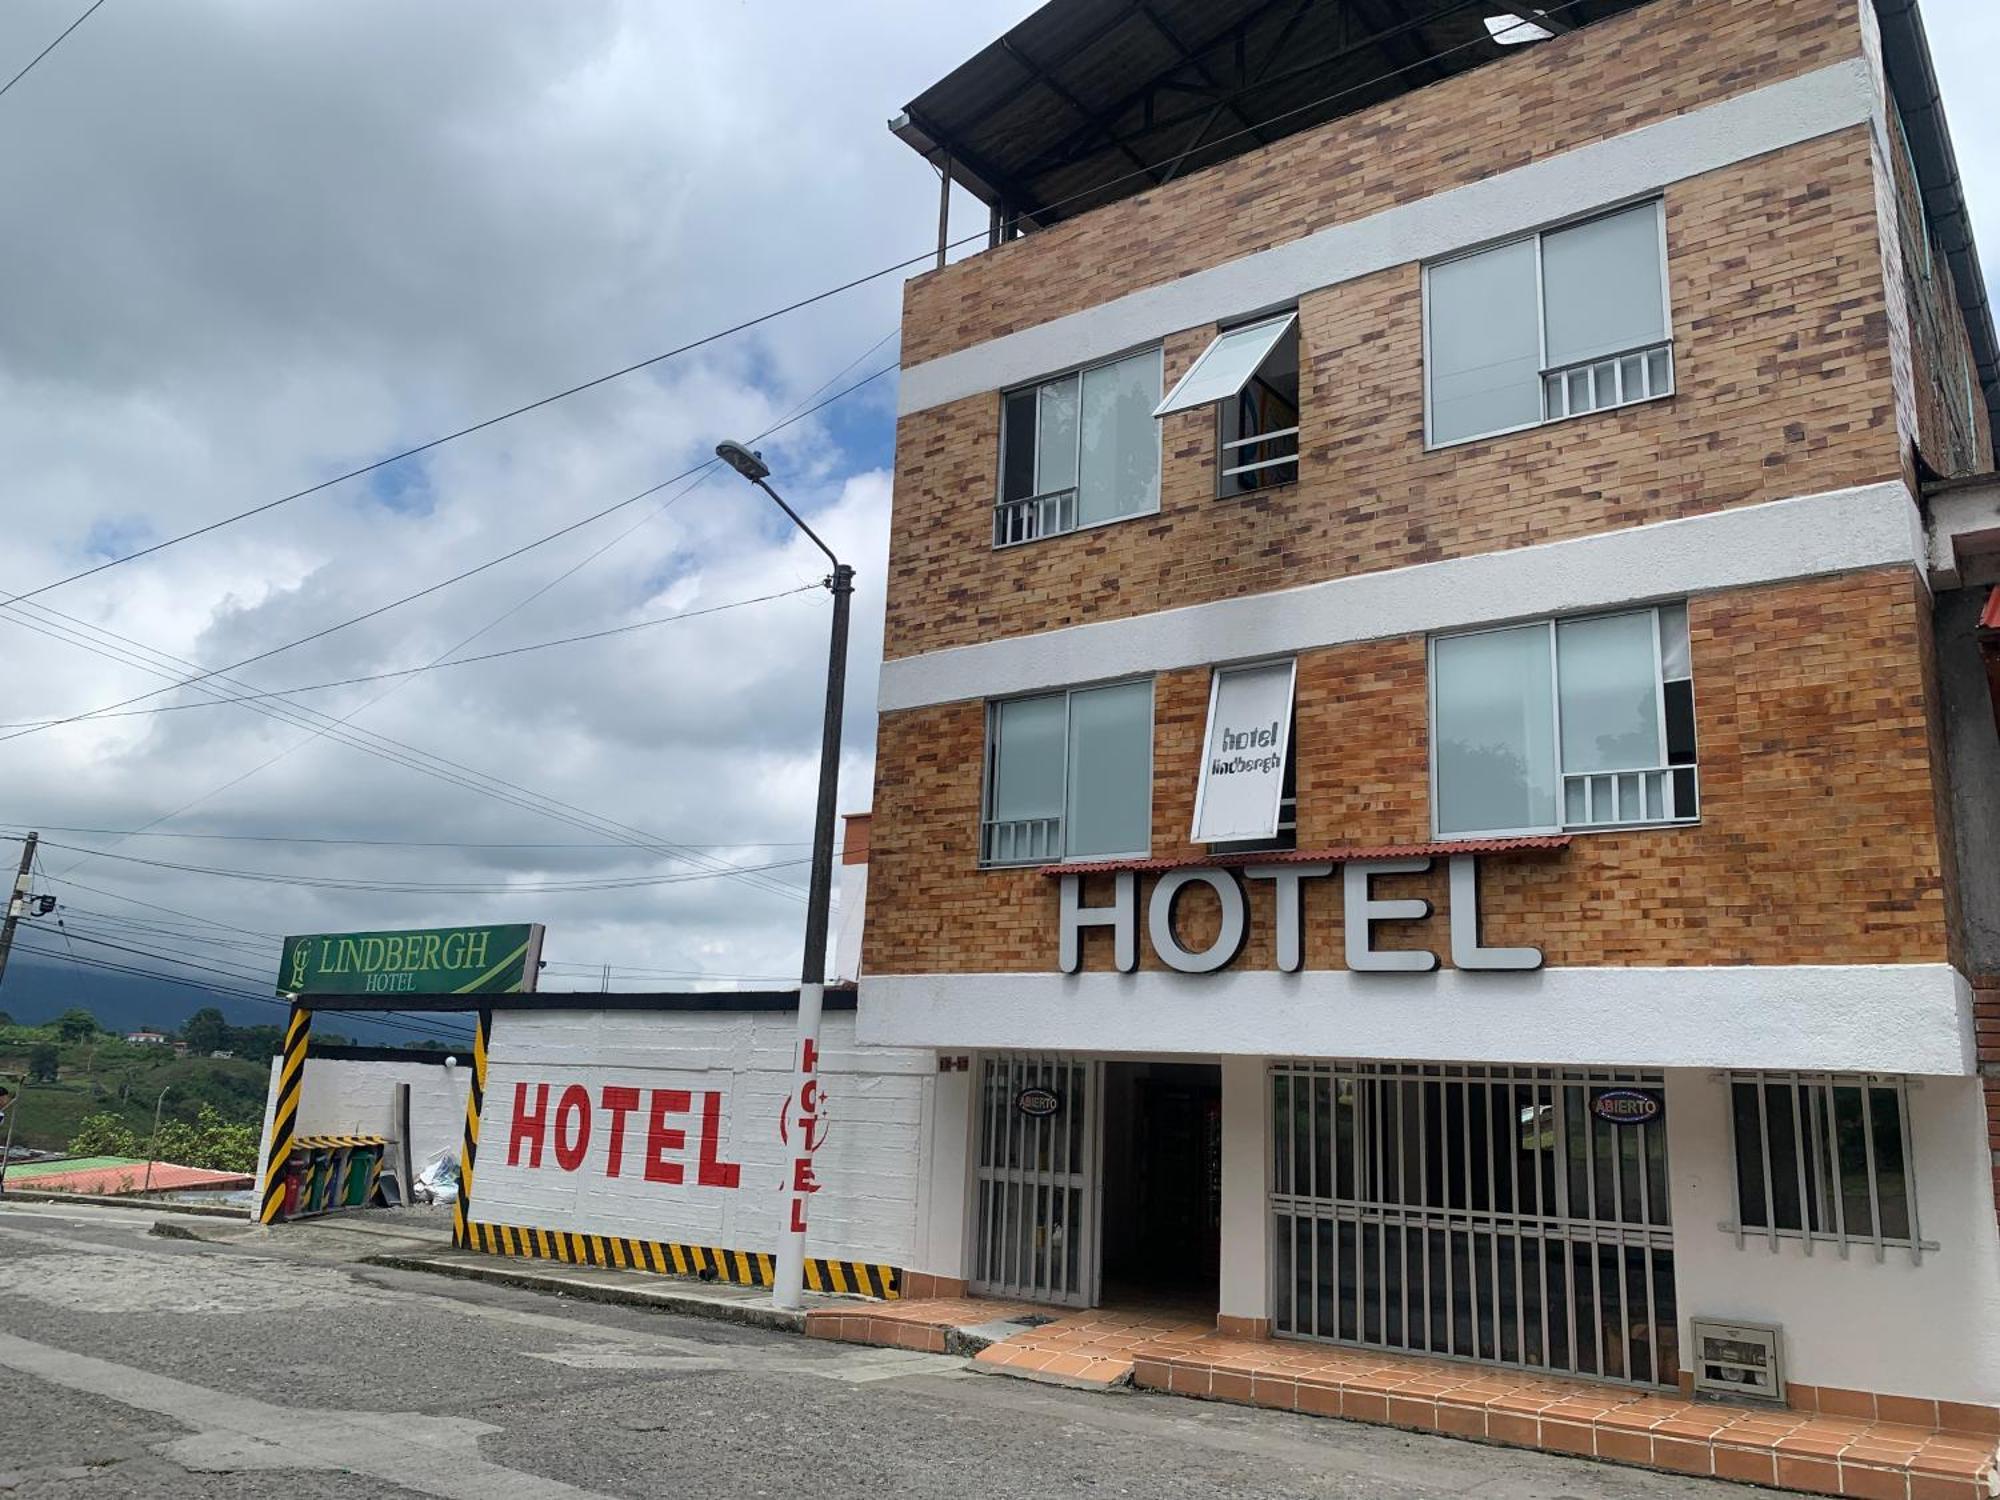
{"points": [[140, 1367]]}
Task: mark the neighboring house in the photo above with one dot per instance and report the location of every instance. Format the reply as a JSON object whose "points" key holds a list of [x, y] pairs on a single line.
{"points": [[148, 1038], [1415, 793]]}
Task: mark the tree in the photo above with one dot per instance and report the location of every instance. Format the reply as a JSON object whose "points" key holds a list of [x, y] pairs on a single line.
{"points": [[42, 1062], [206, 1031], [104, 1135], [76, 1025]]}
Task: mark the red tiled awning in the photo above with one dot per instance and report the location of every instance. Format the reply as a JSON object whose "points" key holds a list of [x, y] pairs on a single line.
{"points": [[1989, 648], [1337, 856]]}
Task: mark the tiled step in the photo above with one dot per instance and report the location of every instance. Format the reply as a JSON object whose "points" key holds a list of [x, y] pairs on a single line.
{"points": [[1817, 1454]]}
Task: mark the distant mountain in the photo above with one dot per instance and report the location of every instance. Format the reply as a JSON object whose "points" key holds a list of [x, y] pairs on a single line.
{"points": [[39, 989]]}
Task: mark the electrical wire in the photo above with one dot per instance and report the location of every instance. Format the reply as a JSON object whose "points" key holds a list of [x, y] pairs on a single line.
{"points": [[60, 38], [421, 593], [418, 887], [457, 661], [300, 838]]}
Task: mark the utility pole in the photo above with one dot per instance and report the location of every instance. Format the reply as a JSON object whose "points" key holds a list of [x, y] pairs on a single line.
{"points": [[17, 902]]}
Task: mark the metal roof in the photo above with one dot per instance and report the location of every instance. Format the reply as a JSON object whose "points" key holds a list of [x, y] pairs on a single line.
{"points": [[1089, 101]]}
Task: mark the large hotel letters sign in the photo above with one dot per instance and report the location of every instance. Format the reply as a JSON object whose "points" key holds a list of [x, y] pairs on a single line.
{"points": [[1362, 913]]}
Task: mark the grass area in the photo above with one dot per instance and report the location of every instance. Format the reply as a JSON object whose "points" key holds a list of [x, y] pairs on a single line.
{"points": [[106, 1075]]}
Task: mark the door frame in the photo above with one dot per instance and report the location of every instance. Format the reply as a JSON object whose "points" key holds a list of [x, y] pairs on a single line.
{"points": [[1090, 1245]]}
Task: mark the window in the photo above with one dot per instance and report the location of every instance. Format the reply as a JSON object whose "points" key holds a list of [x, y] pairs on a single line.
{"points": [[1246, 775], [1564, 322], [1069, 776], [1079, 450], [1824, 1157], [1564, 724], [1251, 376]]}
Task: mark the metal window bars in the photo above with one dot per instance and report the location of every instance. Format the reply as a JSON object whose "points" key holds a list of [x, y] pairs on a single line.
{"points": [[1287, 452], [1609, 381], [1034, 516], [1605, 799], [1020, 841], [1473, 1212], [1034, 1204], [1825, 1158]]}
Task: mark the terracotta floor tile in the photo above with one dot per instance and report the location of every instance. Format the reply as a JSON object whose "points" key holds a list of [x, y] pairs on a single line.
{"points": [[1624, 1446], [1749, 1465], [1683, 1455], [1932, 1487], [1816, 1476], [1866, 1482]]}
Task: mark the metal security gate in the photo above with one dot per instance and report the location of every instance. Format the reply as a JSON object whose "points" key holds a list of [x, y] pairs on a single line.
{"points": [[1036, 1178], [1481, 1213]]}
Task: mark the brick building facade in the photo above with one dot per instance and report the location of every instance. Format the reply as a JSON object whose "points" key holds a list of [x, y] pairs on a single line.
{"points": [[1562, 525]]}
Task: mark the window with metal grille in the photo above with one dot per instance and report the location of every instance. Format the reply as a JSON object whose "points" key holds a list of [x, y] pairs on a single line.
{"points": [[1479, 1212], [1250, 375], [1069, 776], [1552, 325], [1825, 1158], [1564, 725], [1079, 450]]}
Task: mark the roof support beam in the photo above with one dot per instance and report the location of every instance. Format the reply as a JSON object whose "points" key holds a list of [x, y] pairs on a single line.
{"points": [[1247, 78], [1091, 119]]}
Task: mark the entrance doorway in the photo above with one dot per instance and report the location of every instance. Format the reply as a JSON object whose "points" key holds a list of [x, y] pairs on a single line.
{"points": [[1162, 1173]]}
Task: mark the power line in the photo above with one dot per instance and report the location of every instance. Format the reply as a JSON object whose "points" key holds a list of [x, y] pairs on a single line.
{"points": [[300, 838], [51, 47], [1144, 170], [382, 609], [418, 887], [401, 672]]}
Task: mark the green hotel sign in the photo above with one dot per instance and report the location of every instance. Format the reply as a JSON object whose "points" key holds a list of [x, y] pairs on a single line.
{"points": [[431, 961]]}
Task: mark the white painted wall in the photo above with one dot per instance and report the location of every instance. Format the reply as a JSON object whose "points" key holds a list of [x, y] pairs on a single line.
{"points": [[342, 1097], [1888, 1018], [1919, 1330], [1805, 536], [945, 1248], [870, 1203], [1246, 1210]]}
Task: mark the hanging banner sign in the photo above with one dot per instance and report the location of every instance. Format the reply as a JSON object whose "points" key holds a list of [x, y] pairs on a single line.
{"points": [[1626, 1106], [430, 961], [1243, 759]]}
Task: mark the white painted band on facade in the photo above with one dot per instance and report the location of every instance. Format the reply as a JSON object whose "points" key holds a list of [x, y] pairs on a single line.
{"points": [[1576, 182], [1884, 1018], [1809, 536]]}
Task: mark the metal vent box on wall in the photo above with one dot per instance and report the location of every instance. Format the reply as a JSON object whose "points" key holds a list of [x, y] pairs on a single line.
{"points": [[1738, 1360]]}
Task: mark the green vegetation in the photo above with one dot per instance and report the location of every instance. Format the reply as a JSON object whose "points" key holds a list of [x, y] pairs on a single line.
{"points": [[210, 1141], [64, 1075]]}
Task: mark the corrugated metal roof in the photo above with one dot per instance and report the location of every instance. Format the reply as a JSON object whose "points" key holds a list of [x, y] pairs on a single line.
{"points": [[1342, 855], [131, 1177], [1089, 101], [21, 1170]]}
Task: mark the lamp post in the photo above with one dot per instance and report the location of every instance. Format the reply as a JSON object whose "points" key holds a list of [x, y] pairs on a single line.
{"points": [[801, 1115]]}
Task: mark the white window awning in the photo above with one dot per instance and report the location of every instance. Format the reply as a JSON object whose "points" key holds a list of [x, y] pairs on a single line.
{"points": [[1226, 365], [1242, 780]]}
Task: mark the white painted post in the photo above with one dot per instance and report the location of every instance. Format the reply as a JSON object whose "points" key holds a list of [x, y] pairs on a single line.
{"points": [[802, 1127]]}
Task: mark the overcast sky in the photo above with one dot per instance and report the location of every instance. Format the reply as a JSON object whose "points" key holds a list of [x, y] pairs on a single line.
{"points": [[249, 245]]}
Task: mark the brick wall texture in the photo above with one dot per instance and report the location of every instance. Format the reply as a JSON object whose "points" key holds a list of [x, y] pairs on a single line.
{"points": [[1818, 843]]}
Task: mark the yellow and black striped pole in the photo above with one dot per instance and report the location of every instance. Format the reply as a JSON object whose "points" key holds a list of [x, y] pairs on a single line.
{"points": [[475, 1097], [285, 1116]]}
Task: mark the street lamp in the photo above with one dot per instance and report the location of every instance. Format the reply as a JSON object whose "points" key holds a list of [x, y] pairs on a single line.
{"points": [[802, 1108]]}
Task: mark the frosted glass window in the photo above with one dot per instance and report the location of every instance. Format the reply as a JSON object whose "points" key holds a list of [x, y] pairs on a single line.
{"points": [[1028, 749], [1496, 756], [1601, 286], [1610, 694], [1119, 469], [1226, 365], [1055, 436], [1110, 768], [1485, 356]]}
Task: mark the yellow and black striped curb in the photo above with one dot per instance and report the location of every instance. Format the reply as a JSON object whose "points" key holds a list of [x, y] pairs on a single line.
{"points": [[336, 1142], [614, 1252], [475, 1098], [285, 1114]]}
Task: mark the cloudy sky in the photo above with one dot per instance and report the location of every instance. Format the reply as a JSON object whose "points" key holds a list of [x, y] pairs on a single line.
{"points": [[250, 245]]}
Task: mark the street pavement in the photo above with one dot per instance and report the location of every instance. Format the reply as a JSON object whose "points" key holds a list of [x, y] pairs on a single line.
{"points": [[136, 1366]]}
